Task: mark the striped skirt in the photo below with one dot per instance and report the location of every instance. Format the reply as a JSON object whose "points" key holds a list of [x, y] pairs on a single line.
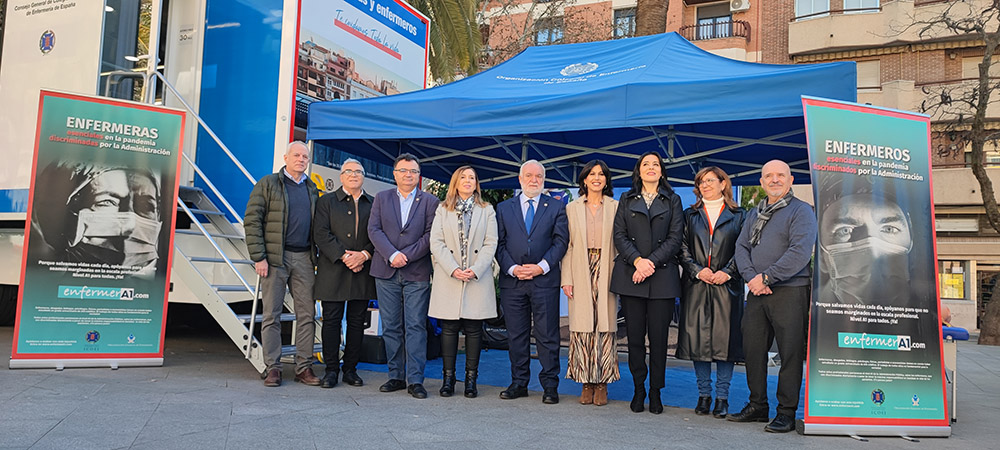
{"points": [[593, 356]]}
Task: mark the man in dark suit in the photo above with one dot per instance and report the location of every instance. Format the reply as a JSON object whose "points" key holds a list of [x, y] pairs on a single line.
{"points": [[343, 281], [399, 228], [533, 236]]}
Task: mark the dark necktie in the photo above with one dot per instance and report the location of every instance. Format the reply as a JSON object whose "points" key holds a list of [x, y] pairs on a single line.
{"points": [[530, 215]]}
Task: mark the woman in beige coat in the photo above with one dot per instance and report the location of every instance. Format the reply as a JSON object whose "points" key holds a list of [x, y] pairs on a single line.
{"points": [[463, 240], [586, 272]]}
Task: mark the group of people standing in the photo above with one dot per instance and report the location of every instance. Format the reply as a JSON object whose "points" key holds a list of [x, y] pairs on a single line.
{"points": [[646, 250]]}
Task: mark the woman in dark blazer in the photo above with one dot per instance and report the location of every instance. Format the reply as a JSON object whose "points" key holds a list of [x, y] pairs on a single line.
{"points": [[340, 230], [712, 302], [648, 230]]}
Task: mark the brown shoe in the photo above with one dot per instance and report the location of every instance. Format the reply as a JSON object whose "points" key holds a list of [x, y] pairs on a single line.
{"points": [[273, 378], [600, 394], [587, 395], [307, 377]]}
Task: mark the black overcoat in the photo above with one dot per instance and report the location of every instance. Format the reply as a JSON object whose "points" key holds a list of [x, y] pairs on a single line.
{"points": [[654, 233], [334, 232], [711, 314]]}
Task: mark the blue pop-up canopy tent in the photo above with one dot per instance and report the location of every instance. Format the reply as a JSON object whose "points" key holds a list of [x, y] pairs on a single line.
{"points": [[567, 104]]}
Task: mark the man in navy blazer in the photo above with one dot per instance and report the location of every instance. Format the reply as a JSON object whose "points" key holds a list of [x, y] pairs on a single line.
{"points": [[533, 235], [399, 227]]}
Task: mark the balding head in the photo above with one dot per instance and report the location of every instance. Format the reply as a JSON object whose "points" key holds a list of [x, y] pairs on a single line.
{"points": [[776, 179]]}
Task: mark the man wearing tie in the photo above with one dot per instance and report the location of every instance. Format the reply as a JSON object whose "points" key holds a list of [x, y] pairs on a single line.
{"points": [[399, 227], [533, 236]]}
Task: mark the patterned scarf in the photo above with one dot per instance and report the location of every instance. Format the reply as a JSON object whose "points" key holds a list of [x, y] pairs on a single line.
{"points": [[464, 210], [764, 212]]}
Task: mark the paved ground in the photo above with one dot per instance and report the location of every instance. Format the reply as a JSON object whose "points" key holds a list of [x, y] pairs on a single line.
{"points": [[206, 396]]}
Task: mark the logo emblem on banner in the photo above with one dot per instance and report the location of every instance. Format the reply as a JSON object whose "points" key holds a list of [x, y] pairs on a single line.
{"points": [[47, 42], [93, 336], [574, 70], [878, 397], [916, 400], [131, 339]]}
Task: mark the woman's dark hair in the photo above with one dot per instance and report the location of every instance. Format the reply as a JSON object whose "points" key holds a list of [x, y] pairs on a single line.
{"points": [[581, 180], [637, 178]]}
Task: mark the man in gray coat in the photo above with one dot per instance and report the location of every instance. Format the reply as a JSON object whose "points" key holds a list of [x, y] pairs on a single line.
{"points": [[278, 221], [773, 252]]}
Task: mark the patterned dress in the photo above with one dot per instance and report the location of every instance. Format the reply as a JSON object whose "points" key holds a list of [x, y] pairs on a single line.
{"points": [[593, 356]]}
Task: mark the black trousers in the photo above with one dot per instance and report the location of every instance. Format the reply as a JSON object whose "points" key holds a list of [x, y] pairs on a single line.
{"points": [[473, 330], [333, 315], [783, 315], [647, 316], [530, 310]]}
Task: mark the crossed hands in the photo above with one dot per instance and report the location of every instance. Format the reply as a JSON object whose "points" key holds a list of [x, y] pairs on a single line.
{"points": [[398, 261], [644, 268], [527, 271], [757, 286], [463, 275], [710, 277], [354, 260]]}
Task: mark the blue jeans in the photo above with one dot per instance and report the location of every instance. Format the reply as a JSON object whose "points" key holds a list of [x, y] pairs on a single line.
{"points": [[403, 306], [723, 375]]}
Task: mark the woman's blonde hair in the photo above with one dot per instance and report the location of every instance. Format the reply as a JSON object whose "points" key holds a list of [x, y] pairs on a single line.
{"points": [[451, 198]]}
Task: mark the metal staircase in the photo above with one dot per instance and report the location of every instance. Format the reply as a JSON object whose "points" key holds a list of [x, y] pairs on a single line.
{"points": [[211, 265]]}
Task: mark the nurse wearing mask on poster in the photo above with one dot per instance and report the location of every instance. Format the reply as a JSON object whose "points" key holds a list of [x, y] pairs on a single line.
{"points": [[865, 244]]}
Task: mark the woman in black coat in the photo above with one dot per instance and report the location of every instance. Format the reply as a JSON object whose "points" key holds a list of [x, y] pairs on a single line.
{"points": [[340, 230], [648, 231], [712, 303]]}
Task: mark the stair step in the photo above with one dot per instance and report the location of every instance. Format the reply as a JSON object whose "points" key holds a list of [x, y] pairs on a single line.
{"points": [[215, 235], [288, 352], [219, 260], [229, 288], [285, 317], [203, 212]]}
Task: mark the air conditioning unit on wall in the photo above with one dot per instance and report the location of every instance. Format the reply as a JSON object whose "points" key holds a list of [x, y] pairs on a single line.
{"points": [[739, 5]]}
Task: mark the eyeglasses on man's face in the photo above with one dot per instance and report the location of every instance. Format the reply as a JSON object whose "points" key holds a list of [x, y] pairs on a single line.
{"points": [[406, 171], [351, 172]]}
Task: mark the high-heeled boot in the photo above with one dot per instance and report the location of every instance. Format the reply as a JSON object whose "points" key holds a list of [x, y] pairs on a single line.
{"points": [[587, 394], [600, 394], [473, 343], [471, 391], [448, 383]]}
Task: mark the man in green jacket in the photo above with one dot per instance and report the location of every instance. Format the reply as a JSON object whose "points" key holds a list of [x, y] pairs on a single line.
{"points": [[278, 224]]}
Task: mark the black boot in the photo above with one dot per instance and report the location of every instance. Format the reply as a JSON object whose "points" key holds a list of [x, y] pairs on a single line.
{"points": [[703, 404], [721, 408], [471, 391], [448, 384], [473, 343], [638, 399], [655, 406]]}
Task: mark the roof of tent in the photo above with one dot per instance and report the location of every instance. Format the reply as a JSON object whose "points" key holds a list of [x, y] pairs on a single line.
{"points": [[567, 104]]}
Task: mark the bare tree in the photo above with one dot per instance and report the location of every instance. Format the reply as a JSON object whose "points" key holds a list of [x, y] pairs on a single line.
{"points": [[514, 25], [961, 109], [650, 17]]}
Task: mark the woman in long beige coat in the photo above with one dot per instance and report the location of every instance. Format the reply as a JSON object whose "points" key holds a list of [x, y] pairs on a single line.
{"points": [[586, 272], [463, 240]]}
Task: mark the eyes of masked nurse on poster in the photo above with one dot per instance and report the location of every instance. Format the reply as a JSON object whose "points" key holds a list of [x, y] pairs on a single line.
{"points": [[857, 217]]}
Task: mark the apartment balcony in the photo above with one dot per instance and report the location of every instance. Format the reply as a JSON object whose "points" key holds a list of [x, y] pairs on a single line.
{"points": [[739, 29], [886, 25]]}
